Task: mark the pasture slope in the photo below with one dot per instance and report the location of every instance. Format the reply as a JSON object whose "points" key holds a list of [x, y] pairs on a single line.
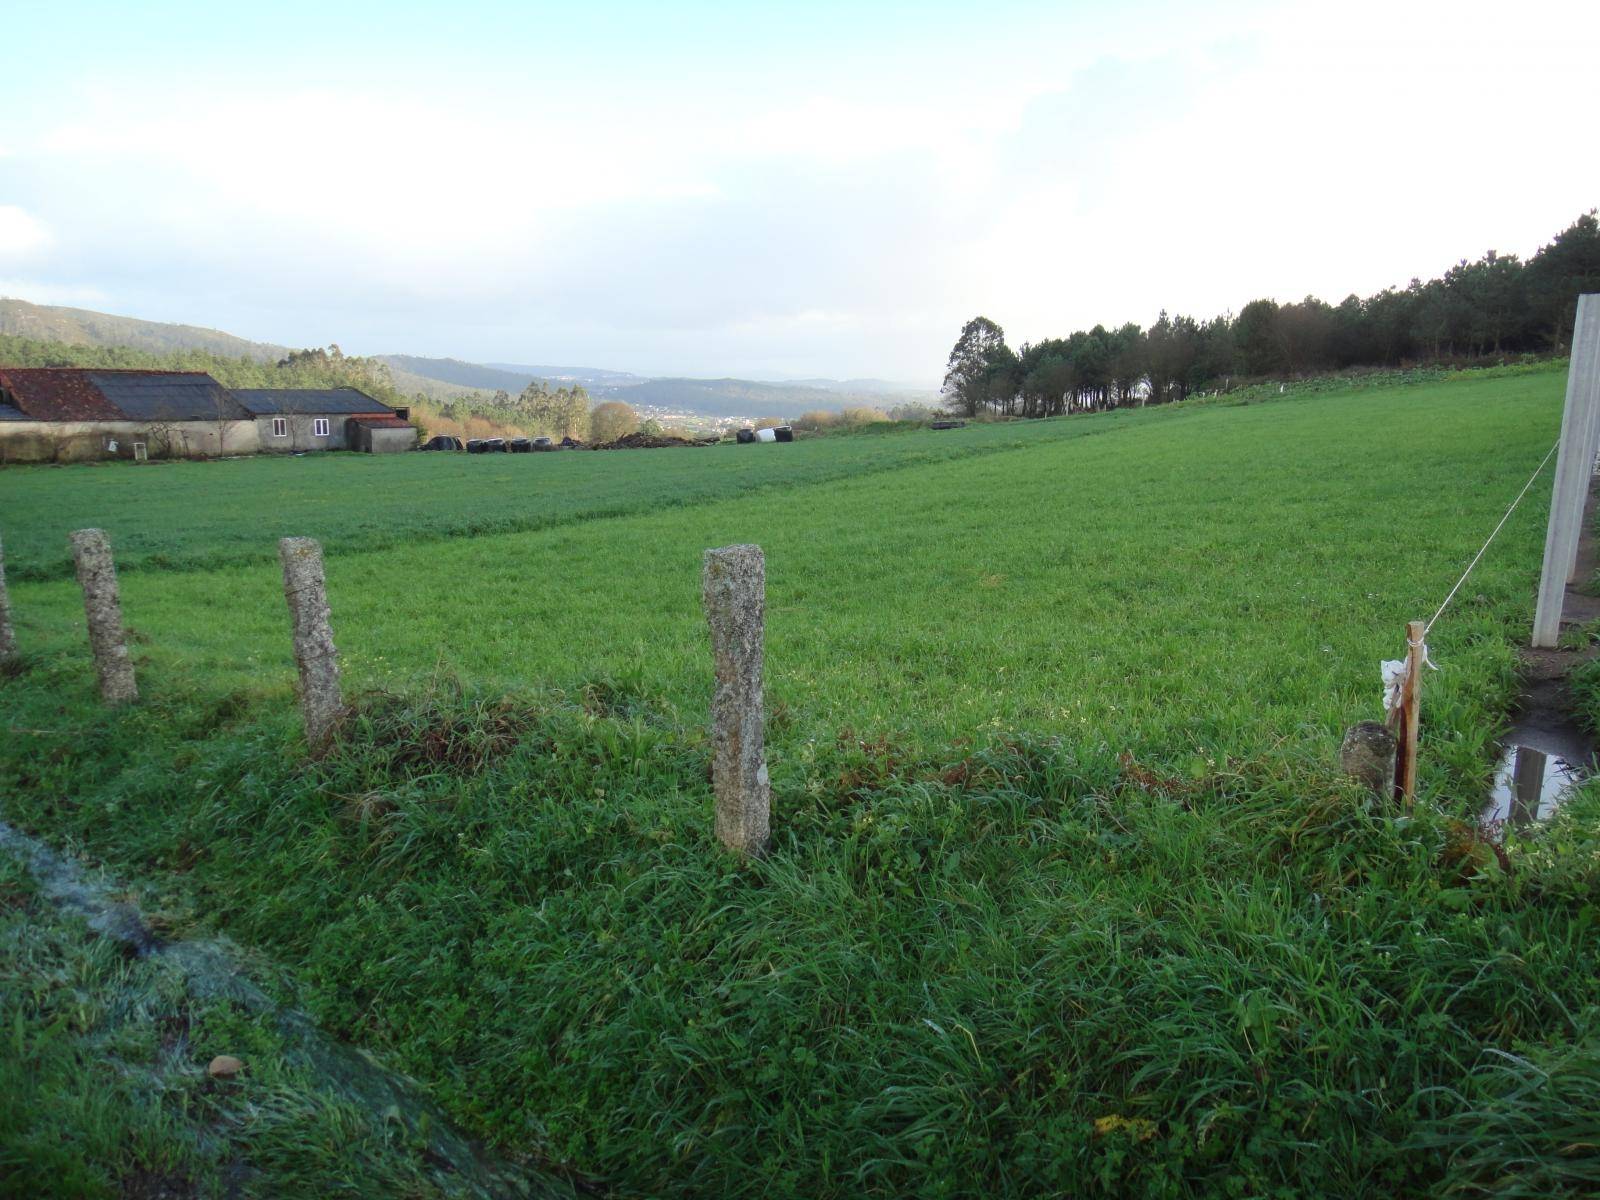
{"points": [[1064, 896]]}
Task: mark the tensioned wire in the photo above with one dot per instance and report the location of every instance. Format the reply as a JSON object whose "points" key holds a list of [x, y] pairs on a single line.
{"points": [[1479, 555]]}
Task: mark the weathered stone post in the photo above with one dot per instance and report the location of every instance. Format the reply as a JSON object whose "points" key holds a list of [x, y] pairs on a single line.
{"points": [[97, 576], [735, 589], [8, 638], [314, 654], [1368, 756]]}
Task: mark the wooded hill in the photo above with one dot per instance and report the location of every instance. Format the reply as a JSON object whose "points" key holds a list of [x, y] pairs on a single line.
{"points": [[83, 327]]}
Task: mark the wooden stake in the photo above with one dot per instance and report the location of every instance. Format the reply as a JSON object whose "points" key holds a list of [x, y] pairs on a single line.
{"points": [[1405, 767]]}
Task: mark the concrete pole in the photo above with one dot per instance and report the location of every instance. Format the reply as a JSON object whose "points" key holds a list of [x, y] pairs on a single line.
{"points": [[8, 637], [97, 576], [734, 593], [1592, 442], [1580, 429], [306, 590]]}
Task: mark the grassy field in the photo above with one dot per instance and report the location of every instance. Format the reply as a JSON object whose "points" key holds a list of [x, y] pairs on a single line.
{"points": [[191, 515], [1064, 894]]}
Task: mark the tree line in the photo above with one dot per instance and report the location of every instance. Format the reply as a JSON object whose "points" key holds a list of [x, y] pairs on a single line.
{"points": [[1495, 306], [314, 368], [538, 409]]}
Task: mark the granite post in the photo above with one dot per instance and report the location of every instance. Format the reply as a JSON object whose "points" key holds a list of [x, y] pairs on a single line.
{"points": [[8, 637], [315, 656], [97, 576], [734, 593]]}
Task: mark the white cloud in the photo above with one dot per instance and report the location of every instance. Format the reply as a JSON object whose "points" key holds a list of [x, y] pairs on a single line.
{"points": [[22, 235], [1054, 172]]}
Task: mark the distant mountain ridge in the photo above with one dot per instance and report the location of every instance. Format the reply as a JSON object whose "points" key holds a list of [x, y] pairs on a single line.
{"points": [[723, 397], [583, 375], [462, 374], [857, 387], [443, 378], [84, 327], [511, 377]]}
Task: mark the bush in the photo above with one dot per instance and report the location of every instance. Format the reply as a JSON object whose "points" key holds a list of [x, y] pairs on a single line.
{"points": [[612, 420]]}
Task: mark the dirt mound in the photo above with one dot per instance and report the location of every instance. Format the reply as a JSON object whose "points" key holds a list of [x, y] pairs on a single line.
{"points": [[652, 441]]}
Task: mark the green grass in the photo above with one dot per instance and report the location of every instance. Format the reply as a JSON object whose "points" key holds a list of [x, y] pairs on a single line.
{"points": [[184, 515], [1064, 896], [104, 1090], [1190, 586]]}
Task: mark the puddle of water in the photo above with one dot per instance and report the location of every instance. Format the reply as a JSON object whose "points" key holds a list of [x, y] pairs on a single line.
{"points": [[1529, 785]]}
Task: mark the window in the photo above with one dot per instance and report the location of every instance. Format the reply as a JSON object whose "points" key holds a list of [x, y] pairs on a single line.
{"points": [[280, 426], [141, 452], [319, 427]]}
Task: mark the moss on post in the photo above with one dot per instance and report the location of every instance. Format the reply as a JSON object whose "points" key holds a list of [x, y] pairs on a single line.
{"points": [[102, 607], [8, 637], [734, 592], [321, 702]]}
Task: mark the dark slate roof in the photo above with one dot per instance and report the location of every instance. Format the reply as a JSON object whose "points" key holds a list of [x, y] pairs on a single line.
{"points": [[345, 401], [167, 396], [382, 423], [80, 394], [56, 394]]}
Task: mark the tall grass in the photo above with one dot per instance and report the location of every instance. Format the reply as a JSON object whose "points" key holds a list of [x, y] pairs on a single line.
{"points": [[430, 419]]}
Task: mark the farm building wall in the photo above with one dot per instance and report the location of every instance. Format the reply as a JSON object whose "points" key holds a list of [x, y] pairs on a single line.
{"points": [[301, 434], [384, 440], [90, 441]]}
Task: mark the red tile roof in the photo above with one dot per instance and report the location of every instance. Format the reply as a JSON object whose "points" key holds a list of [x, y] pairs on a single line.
{"points": [[75, 394], [381, 422], [57, 394]]}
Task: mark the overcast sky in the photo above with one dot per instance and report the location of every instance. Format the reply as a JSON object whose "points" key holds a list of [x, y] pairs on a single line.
{"points": [[770, 190]]}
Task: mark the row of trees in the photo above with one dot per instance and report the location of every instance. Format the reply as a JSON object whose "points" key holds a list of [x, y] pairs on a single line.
{"points": [[315, 368], [542, 411], [539, 410], [1491, 307]]}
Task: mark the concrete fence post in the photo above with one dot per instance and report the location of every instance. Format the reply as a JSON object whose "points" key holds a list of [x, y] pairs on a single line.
{"points": [[102, 607], [734, 593], [1580, 427], [1587, 328], [8, 637], [306, 590]]}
